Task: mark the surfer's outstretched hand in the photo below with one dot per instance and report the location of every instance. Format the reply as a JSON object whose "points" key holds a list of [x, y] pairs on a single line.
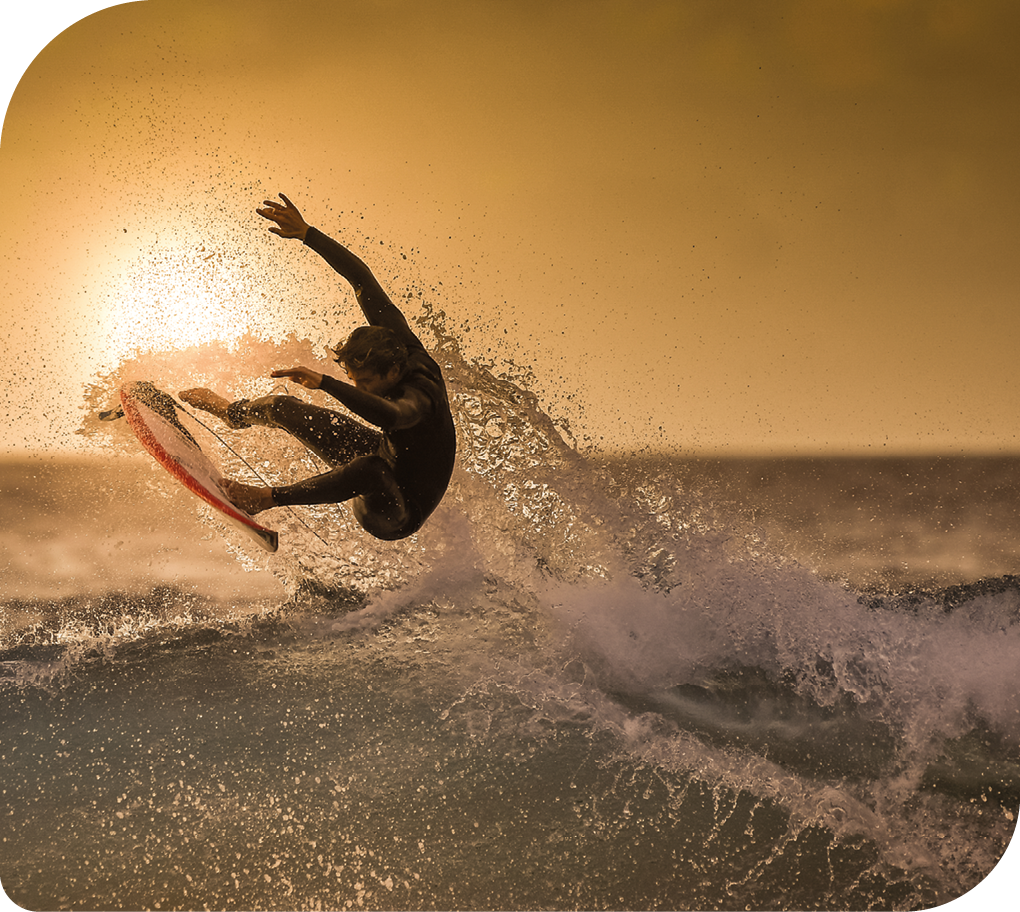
{"points": [[289, 223], [250, 498], [308, 378]]}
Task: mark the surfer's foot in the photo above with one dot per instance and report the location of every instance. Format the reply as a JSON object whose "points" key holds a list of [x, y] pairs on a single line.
{"points": [[250, 498], [207, 401]]}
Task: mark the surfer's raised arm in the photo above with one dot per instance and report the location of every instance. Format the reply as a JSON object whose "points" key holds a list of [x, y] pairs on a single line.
{"points": [[376, 305]]}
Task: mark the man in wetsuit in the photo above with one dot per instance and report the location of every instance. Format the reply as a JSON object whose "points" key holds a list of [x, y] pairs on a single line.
{"points": [[396, 476]]}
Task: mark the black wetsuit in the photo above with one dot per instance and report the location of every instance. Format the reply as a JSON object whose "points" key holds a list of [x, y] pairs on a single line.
{"points": [[397, 476]]}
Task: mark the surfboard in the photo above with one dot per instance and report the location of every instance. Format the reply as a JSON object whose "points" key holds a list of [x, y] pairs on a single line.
{"points": [[152, 415]]}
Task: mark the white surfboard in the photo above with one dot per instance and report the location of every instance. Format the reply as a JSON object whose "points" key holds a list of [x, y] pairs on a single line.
{"points": [[151, 414]]}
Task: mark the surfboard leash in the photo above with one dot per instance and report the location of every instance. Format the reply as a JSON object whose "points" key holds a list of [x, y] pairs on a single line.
{"points": [[247, 464]]}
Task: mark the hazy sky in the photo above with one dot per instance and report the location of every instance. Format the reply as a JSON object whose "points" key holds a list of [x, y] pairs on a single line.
{"points": [[786, 226]]}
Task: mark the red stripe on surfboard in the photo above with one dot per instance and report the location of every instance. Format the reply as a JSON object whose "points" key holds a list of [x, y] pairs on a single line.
{"points": [[148, 440]]}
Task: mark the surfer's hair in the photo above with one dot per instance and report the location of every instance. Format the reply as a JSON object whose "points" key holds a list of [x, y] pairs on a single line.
{"points": [[372, 348]]}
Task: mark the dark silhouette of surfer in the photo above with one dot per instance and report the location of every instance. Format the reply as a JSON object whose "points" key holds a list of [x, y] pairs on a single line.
{"points": [[394, 476]]}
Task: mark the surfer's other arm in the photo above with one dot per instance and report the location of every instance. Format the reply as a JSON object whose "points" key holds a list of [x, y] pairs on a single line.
{"points": [[365, 395]]}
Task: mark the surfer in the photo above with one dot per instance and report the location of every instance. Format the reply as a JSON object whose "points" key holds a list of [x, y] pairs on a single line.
{"points": [[395, 476]]}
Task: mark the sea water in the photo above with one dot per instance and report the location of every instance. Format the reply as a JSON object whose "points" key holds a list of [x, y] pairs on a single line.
{"points": [[587, 683]]}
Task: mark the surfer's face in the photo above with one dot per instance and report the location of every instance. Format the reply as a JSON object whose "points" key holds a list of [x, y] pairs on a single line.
{"points": [[369, 381]]}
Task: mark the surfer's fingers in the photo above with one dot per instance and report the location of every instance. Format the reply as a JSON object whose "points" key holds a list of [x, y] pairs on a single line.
{"points": [[273, 204], [297, 374]]}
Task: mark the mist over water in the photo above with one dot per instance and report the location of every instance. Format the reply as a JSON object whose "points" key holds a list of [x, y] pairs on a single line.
{"points": [[584, 684]]}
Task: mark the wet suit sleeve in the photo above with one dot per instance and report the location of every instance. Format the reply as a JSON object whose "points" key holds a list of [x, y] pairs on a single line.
{"points": [[387, 414], [375, 304]]}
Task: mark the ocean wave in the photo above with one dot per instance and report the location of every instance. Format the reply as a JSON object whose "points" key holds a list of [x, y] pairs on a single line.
{"points": [[603, 625]]}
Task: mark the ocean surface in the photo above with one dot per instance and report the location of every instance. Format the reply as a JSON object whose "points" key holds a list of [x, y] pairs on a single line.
{"points": [[628, 683]]}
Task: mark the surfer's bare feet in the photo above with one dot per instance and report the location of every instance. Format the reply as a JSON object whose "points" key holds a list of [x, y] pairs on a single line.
{"points": [[207, 401], [250, 498]]}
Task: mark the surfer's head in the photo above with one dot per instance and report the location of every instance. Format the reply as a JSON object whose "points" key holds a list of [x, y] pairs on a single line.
{"points": [[373, 350]]}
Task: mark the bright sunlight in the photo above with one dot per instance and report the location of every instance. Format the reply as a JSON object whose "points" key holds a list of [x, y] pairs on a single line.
{"points": [[175, 299]]}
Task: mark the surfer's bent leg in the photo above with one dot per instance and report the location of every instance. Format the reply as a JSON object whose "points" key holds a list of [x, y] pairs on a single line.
{"points": [[378, 502], [333, 437]]}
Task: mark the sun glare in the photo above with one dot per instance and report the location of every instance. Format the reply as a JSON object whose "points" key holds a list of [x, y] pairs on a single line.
{"points": [[179, 299]]}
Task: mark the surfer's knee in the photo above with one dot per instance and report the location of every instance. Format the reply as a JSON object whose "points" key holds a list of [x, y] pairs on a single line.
{"points": [[389, 525], [380, 509]]}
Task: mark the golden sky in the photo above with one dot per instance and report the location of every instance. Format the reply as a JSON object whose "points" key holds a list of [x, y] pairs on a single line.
{"points": [[786, 227]]}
